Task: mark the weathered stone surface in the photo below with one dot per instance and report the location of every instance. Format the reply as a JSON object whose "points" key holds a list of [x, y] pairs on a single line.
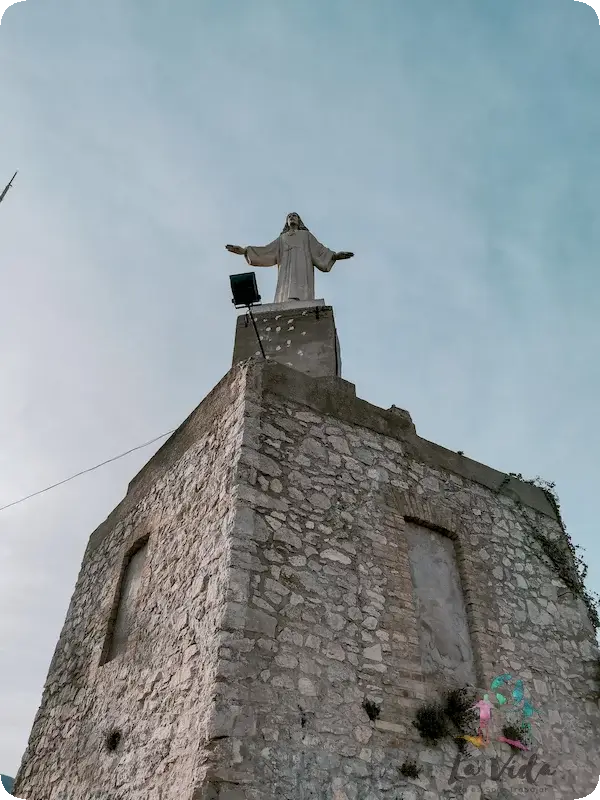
{"points": [[265, 620], [305, 340], [446, 649], [159, 693]]}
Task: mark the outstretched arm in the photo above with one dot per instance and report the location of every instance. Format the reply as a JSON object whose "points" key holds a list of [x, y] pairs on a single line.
{"points": [[266, 256], [234, 248], [322, 257]]}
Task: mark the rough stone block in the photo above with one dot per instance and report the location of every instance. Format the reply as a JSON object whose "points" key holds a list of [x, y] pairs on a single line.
{"points": [[303, 338]]}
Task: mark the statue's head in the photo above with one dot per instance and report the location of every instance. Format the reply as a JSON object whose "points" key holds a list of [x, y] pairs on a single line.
{"points": [[293, 221]]}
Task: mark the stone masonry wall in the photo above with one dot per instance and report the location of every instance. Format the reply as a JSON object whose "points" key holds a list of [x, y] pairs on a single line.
{"points": [[323, 555], [158, 694], [290, 527]]}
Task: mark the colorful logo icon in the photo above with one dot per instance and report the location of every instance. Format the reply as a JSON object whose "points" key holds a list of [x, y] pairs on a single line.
{"points": [[516, 709]]}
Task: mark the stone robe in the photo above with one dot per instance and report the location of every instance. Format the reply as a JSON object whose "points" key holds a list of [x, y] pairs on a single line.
{"points": [[295, 253]]}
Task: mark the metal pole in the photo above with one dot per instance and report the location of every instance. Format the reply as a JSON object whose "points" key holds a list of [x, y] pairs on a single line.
{"points": [[257, 334]]}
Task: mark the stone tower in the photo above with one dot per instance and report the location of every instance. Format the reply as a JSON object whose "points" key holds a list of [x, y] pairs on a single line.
{"points": [[288, 583]]}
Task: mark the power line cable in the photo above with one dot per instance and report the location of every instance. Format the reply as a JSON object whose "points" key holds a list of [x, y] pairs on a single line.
{"points": [[91, 469]]}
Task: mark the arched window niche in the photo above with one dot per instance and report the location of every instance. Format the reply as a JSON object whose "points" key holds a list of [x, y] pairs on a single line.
{"points": [[447, 655], [123, 619]]}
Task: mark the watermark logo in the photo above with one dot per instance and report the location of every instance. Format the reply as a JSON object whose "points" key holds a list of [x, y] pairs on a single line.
{"points": [[505, 701], [516, 711]]}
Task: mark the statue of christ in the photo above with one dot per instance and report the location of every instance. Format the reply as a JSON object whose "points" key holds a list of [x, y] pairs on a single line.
{"points": [[296, 253]]}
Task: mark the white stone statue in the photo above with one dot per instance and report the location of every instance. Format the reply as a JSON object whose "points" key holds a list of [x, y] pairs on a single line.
{"points": [[295, 252]]}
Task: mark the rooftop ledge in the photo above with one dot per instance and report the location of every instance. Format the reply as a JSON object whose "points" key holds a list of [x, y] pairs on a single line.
{"points": [[330, 396], [337, 397]]}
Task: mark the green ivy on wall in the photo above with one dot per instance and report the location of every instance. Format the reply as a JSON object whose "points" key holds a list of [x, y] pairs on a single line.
{"points": [[563, 553]]}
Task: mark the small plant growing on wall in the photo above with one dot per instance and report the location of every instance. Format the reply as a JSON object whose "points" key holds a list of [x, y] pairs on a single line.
{"points": [[409, 769], [455, 716], [372, 709], [458, 707], [516, 733], [432, 723]]}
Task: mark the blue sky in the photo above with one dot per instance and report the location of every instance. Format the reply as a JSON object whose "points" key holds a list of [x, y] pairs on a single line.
{"points": [[452, 146]]}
